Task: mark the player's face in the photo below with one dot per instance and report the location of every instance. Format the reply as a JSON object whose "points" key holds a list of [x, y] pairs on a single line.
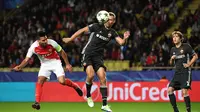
{"points": [[176, 38], [43, 41], [111, 21]]}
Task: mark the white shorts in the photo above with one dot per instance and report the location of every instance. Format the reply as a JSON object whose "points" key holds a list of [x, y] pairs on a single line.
{"points": [[54, 66]]}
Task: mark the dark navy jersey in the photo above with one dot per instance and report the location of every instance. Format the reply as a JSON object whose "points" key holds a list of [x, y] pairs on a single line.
{"points": [[99, 36], [183, 54]]}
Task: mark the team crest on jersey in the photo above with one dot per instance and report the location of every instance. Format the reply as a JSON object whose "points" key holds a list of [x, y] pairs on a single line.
{"points": [[181, 51], [50, 50], [109, 35]]}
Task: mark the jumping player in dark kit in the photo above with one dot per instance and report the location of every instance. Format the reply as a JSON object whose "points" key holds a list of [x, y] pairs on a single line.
{"points": [[92, 59], [180, 56]]}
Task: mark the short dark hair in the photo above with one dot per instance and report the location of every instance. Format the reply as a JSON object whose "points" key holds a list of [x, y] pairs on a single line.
{"points": [[41, 34]]}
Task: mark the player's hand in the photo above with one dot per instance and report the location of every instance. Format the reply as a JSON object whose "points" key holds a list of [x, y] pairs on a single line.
{"points": [[186, 65], [126, 34], [66, 40], [69, 68], [173, 57], [17, 68]]}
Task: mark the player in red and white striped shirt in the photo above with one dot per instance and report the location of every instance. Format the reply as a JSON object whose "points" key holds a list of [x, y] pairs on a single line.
{"points": [[47, 51]]}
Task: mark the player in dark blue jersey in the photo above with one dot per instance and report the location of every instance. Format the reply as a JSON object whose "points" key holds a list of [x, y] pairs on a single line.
{"points": [[92, 60], [180, 56]]}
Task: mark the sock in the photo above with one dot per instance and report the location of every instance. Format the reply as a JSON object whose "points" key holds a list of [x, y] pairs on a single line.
{"points": [[187, 102], [103, 91], [71, 84], [173, 102], [38, 92], [88, 87]]}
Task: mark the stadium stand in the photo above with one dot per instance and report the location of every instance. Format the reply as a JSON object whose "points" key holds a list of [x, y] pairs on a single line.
{"points": [[147, 20]]}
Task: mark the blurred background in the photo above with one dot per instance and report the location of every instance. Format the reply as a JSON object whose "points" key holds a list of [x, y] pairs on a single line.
{"points": [[142, 63]]}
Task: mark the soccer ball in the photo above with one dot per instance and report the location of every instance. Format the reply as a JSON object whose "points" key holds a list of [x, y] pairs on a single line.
{"points": [[102, 16]]}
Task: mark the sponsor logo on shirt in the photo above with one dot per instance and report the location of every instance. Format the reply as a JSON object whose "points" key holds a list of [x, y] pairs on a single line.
{"points": [[109, 35], [181, 51], [180, 56], [102, 37]]}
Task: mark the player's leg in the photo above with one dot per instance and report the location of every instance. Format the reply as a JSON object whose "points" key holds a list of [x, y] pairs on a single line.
{"points": [[58, 70], [103, 88], [88, 68], [186, 85], [171, 90], [172, 99], [43, 75], [89, 80], [38, 91], [100, 70], [186, 99], [67, 82]]}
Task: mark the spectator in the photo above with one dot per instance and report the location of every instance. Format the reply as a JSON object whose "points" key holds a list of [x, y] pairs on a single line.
{"points": [[163, 79], [151, 59], [145, 19], [143, 59]]}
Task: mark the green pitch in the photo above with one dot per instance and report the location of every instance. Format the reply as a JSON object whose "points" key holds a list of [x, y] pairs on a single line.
{"points": [[82, 107]]}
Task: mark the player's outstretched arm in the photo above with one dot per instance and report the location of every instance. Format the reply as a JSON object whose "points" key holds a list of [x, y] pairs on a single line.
{"points": [[76, 34], [22, 65], [65, 58], [121, 41]]}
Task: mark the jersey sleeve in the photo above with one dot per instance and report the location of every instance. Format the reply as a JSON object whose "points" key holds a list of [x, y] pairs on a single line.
{"points": [[93, 27], [115, 34], [30, 51], [55, 45], [190, 51]]}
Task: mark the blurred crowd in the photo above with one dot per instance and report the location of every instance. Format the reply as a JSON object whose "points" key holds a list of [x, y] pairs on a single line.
{"points": [[146, 19]]}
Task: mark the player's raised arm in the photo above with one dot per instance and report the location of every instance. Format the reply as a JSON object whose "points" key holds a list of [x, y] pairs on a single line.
{"points": [[121, 41], [76, 34]]}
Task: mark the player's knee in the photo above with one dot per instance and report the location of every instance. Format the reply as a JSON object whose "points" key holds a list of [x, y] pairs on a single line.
{"points": [[62, 82], [41, 80], [185, 92], [90, 76], [170, 91], [103, 80]]}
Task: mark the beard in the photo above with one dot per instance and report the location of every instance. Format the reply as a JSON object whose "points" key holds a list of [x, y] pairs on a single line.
{"points": [[43, 45]]}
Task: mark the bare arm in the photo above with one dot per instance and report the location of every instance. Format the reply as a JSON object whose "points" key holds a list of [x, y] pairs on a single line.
{"points": [[121, 41], [65, 58], [76, 34], [194, 58], [22, 65]]}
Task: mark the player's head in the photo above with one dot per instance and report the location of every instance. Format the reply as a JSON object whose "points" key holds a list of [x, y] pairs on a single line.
{"points": [[177, 37], [111, 20], [42, 39]]}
